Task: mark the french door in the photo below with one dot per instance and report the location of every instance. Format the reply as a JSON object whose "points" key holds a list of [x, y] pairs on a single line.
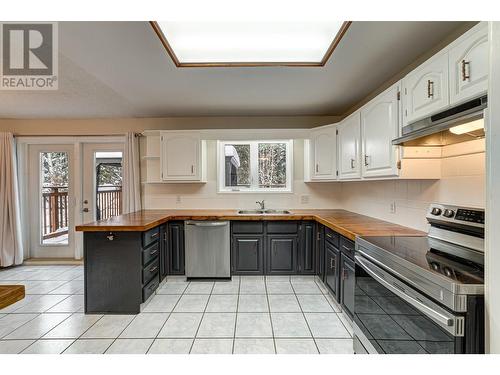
{"points": [[102, 181], [67, 185], [51, 195]]}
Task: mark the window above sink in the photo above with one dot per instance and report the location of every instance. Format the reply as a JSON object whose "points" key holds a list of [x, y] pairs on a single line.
{"points": [[254, 166]]}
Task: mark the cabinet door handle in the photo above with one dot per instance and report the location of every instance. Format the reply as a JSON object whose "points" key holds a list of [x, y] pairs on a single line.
{"points": [[430, 89], [317, 168], [465, 65], [344, 274], [366, 160], [352, 163], [192, 169], [332, 263]]}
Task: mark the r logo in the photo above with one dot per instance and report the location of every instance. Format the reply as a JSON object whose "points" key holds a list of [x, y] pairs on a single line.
{"points": [[27, 49]]}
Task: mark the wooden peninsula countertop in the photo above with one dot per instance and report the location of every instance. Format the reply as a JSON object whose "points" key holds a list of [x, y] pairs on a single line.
{"points": [[348, 224]]}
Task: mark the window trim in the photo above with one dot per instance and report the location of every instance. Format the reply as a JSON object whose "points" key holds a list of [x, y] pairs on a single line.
{"points": [[222, 189]]}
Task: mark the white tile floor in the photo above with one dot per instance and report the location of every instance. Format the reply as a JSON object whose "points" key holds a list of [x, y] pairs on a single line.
{"points": [[250, 314]]}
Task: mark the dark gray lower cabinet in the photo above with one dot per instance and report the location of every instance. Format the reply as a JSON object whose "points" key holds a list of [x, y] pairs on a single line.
{"points": [[348, 283], [320, 251], [281, 254], [247, 254], [163, 251], [332, 269], [307, 253], [176, 248]]}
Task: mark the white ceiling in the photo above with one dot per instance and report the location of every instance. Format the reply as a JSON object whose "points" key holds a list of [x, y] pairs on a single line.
{"points": [[120, 69]]}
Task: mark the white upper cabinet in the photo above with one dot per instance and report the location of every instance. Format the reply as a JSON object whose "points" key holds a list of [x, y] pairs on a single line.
{"points": [[469, 65], [425, 90], [379, 126], [181, 154], [348, 139], [324, 153]]}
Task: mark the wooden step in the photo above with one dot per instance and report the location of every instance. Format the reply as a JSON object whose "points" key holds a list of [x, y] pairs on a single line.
{"points": [[10, 294]]}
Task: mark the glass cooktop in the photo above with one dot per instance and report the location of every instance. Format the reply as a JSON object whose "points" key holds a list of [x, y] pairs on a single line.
{"points": [[422, 252]]}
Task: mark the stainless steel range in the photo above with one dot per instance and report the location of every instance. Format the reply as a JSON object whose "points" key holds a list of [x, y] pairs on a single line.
{"points": [[423, 294]]}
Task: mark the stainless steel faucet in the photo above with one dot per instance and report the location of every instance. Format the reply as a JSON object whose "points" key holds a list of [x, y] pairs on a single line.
{"points": [[262, 204]]}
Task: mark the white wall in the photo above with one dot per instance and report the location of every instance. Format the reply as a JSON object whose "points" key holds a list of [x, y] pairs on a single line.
{"points": [[198, 196], [462, 183]]}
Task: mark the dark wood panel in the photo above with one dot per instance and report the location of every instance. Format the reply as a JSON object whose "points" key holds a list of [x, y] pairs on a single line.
{"points": [[247, 254], [281, 252]]}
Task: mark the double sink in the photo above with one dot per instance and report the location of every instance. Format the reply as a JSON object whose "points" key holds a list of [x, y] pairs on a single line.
{"points": [[264, 212]]}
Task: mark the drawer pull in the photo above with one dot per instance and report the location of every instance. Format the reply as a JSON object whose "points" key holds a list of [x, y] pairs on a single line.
{"points": [[153, 286], [329, 235], [154, 235], [153, 269], [346, 248], [153, 252], [465, 65]]}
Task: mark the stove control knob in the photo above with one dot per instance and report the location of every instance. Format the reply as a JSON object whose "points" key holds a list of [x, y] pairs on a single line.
{"points": [[436, 211], [448, 213]]}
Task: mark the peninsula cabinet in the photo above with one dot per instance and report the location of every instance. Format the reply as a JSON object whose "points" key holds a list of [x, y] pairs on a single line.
{"points": [[323, 143], [469, 65], [379, 126], [425, 90], [348, 138], [181, 157]]}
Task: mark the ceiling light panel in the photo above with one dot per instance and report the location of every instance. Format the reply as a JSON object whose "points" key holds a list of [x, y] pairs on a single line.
{"points": [[250, 42]]}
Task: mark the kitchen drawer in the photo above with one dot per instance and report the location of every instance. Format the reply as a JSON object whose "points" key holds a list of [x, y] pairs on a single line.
{"points": [[150, 271], [248, 227], [332, 237], [149, 289], [282, 227], [150, 236], [347, 247], [150, 253]]}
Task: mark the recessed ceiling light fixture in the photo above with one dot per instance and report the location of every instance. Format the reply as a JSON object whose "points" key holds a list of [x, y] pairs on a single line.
{"points": [[247, 43]]}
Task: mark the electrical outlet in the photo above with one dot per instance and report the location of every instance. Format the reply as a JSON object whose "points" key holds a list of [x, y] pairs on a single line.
{"points": [[304, 199], [178, 199], [392, 208]]}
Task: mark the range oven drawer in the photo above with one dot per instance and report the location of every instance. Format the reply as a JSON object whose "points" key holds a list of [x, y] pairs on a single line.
{"points": [[392, 317]]}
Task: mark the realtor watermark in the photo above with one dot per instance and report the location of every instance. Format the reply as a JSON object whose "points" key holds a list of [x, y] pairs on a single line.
{"points": [[29, 56]]}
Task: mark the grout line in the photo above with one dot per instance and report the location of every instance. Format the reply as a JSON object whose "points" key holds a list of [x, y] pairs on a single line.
{"points": [[307, 323], [236, 316], [270, 316], [168, 317], [201, 320]]}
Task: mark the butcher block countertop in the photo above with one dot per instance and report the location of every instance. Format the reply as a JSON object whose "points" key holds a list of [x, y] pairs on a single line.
{"points": [[348, 224]]}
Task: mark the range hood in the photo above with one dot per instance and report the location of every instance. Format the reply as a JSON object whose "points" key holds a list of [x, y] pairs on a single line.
{"points": [[435, 130]]}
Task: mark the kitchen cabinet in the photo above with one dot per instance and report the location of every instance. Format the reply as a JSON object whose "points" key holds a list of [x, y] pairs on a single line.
{"points": [[163, 259], [379, 126], [348, 141], [247, 252], [347, 285], [281, 254], [425, 90], [332, 267], [323, 151], [320, 251], [307, 254], [181, 156], [469, 65], [176, 248]]}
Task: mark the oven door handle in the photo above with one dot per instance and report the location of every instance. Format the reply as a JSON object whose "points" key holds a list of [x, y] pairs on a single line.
{"points": [[429, 311]]}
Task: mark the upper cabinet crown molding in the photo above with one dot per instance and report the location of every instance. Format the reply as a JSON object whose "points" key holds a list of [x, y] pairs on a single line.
{"points": [[469, 65]]}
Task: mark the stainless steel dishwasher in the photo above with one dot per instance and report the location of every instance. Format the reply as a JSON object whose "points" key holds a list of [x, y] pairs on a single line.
{"points": [[207, 249]]}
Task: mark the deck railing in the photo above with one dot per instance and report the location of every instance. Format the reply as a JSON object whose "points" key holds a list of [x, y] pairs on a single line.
{"points": [[55, 207], [54, 211], [109, 201]]}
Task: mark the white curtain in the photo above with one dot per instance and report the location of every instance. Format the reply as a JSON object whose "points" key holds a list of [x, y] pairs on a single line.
{"points": [[11, 245], [131, 175]]}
